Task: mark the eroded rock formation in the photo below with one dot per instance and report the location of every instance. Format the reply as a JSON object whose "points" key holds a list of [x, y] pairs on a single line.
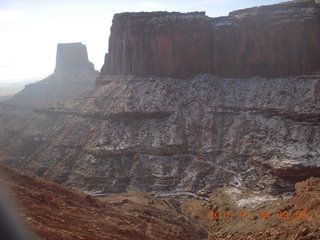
{"points": [[276, 40], [73, 74], [186, 137], [176, 137]]}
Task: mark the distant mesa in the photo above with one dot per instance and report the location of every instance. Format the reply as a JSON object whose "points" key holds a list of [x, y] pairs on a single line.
{"points": [[73, 75], [72, 57]]}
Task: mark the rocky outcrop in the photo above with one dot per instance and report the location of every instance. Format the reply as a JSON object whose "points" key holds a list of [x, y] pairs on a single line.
{"points": [[187, 137], [269, 41], [73, 75], [175, 137]]}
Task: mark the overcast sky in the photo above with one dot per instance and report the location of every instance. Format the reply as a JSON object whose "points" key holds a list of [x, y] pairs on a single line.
{"points": [[31, 29]]}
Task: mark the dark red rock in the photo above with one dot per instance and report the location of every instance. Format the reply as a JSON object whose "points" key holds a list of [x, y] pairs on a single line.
{"points": [[274, 40], [158, 43]]}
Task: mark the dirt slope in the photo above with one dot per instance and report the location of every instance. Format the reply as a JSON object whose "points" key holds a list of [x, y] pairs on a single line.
{"points": [[55, 212], [245, 216]]}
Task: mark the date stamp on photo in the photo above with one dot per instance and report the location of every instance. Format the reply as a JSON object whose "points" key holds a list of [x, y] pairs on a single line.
{"points": [[258, 215]]}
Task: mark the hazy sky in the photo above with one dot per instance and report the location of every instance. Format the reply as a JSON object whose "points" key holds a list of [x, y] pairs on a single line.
{"points": [[31, 29]]}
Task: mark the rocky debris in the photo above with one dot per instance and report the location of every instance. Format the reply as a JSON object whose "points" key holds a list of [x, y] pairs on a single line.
{"points": [[73, 75], [272, 41], [55, 212], [295, 217], [174, 137]]}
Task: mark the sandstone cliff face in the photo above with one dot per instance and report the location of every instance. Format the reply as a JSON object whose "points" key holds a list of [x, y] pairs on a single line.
{"points": [[175, 137], [186, 137], [73, 74], [277, 40], [160, 43]]}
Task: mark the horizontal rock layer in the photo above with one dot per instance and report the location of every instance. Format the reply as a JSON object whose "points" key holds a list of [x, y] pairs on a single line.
{"points": [[276, 40], [174, 137]]}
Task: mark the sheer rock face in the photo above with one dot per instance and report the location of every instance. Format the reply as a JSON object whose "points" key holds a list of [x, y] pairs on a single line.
{"points": [[186, 137], [73, 75], [276, 40], [158, 43], [175, 137]]}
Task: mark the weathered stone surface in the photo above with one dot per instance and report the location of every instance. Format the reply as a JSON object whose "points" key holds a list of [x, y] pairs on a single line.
{"points": [[175, 137], [276, 40], [73, 75], [186, 137], [158, 43]]}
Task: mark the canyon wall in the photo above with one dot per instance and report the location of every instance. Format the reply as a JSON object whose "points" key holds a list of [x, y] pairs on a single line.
{"points": [[269, 41], [175, 137], [186, 137]]}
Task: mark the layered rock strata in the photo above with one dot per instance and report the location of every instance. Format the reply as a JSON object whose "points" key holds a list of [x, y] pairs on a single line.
{"points": [[175, 137], [186, 137], [269, 41]]}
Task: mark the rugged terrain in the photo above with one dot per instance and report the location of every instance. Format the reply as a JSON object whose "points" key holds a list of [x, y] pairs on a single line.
{"points": [[181, 137], [184, 137], [175, 137], [225, 111], [50, 211], [247, 215], [55, 212]]}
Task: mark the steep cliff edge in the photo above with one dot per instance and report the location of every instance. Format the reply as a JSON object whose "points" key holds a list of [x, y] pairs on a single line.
{"points": [[184, 137], [73, 75], [276, 40]]}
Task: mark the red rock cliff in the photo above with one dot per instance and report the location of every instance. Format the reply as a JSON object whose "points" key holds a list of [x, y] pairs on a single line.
{"points": [[274, 40]]}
